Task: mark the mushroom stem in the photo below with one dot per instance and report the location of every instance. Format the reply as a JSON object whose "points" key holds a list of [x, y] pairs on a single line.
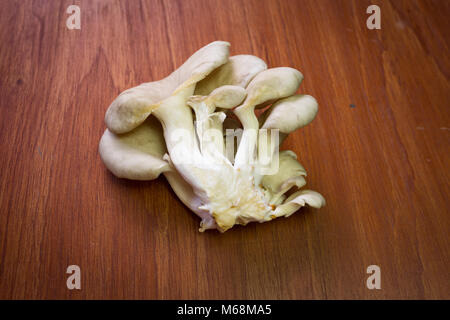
{"points": [[186, 194], [178, 125], [245, 154], [209, 123]]}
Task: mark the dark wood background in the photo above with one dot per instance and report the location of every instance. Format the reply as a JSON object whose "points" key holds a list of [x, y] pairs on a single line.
{"points": [[382, 165]]}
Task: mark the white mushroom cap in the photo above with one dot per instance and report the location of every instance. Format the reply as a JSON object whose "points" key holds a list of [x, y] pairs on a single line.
{"points": [[292, 113], [298, 200], [224, 97], [238, 71], [273, 84], [290, 173], [136, 155]]}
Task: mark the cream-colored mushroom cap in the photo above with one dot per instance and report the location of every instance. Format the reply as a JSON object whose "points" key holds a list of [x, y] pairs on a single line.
{"points": [[272, 84], [292, 113], [238, 71], [290, 173], [136, 155], [224, 97]]}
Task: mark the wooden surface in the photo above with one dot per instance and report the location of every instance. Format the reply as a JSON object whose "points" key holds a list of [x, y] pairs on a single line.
{"points": [[382, 165]]}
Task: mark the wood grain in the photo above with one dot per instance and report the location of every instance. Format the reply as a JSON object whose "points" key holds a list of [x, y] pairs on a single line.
{"points": [[383, 165]]}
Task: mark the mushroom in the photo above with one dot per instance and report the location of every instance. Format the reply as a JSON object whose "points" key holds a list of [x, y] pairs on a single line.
{"points": [[136, 155], [290, 173], [238, 71], [268, 85], [192, 105], [290, 114]]}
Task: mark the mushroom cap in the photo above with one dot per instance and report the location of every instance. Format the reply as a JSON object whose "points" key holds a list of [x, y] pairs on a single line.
{"points": [[238, 71], [226, 97], [290, 172], [272, 84], [298, 200], [134, 105], [292, 113], [136, 155]]}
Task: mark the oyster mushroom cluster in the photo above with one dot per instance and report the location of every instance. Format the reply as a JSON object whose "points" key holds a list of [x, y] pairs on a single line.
{"points": [[198, 127]]}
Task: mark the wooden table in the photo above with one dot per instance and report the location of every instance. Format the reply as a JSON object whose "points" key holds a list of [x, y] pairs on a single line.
{"points": [[378, 151]]}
